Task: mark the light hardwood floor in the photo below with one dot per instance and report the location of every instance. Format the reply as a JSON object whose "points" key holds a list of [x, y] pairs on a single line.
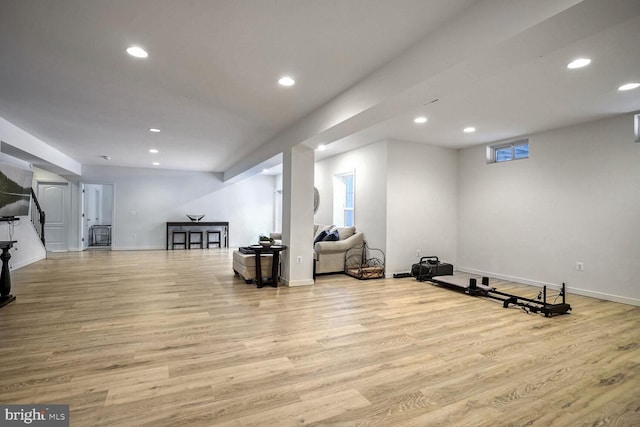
{"points": [[172, 338]]}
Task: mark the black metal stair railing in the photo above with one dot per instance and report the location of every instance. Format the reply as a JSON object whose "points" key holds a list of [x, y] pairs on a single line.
{"points": [[37, 216]]}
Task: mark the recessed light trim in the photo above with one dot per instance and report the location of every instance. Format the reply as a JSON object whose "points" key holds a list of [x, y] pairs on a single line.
{"points": [[629, 86], [578, 63], [321, 147], [286, 81], [155, 164], [469, 129], [153, 151], [137, 52], [420, 120], [154, 130]]}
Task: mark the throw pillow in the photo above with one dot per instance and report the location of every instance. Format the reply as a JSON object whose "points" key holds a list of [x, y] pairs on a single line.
{"points": [[332, 236], [320, 236], [320, 229], [346, 232]]}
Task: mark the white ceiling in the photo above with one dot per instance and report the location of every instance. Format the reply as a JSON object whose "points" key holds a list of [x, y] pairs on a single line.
{"points": [[364, 70]]}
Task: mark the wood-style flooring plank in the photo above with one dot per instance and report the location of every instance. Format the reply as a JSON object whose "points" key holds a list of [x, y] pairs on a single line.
{"points": [[173, 338]]}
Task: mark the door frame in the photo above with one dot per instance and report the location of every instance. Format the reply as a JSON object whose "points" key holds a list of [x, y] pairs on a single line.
{"points": [[81, 189]]}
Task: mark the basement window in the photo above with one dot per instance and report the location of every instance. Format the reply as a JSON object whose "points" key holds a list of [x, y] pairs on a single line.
{"points": [[514, 150], [343, 199]]}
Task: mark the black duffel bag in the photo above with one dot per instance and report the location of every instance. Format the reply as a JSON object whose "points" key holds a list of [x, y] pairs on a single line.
{"points": [[430, 266]]}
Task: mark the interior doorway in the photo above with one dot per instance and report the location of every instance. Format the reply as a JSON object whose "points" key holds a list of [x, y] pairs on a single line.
{"points": [[54, 200], [97, 215]]}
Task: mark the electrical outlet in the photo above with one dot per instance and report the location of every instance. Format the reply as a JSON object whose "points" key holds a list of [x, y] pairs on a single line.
{"points": [[417, 253], [299, 260], [579, 266]]}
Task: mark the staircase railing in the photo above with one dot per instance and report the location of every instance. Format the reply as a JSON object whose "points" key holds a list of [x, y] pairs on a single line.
{"points": [[37, 216]]}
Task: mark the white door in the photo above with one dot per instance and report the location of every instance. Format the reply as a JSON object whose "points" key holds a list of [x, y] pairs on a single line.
{"points": [[53, 197]]}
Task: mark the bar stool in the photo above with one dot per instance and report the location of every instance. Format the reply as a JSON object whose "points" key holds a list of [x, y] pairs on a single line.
{"points": [[175, 242], [214, 242], [198, 242]]}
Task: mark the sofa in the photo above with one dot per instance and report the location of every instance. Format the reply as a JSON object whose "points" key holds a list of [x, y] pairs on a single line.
{"points": [[329, 252]]}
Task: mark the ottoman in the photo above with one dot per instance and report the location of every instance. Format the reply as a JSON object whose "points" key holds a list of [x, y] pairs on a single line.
{"points": [[244, 265]]}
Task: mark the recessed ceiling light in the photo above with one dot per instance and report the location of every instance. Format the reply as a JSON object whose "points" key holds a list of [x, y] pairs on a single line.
{"points": [[286, 81], [578, 63], [469, 129], [137, 52], [420, 119], [156, 164], [154, 130], [629, 86], [153, 151], [322, 147], [265, 170]]}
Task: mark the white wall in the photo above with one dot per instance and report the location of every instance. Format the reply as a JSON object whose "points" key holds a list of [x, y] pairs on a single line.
{"points": [[370, 166], [24, 141], [28, 248], [145, 199], [297, 216], [421, 204], [577, 198]]}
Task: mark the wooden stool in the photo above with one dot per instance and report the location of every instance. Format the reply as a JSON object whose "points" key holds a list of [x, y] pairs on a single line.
{"points": [[209, 241], [195, 242], [182, 234]]}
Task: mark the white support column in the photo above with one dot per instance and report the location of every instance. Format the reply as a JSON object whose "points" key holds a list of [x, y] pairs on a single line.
{"points": [[297, 216]]}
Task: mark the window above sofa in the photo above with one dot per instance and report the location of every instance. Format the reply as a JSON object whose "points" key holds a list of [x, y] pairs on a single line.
{"points": [[344, 199]]}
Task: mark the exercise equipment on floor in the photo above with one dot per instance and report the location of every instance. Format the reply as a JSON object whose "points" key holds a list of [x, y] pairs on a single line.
{"points": [[430, 268]]}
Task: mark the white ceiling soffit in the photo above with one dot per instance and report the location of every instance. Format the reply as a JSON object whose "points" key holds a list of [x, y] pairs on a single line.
{"points": [[522, 86], [364, 70], [210, 81], [508, 82]]}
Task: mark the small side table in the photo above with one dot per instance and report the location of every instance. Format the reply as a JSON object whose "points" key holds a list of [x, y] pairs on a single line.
{"points": [[275, 263], [5, 274]]}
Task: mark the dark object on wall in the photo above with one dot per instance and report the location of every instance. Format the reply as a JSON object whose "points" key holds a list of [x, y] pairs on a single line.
{"points": [[364, 263], [15, 190], [430, 266], [316, 200]]}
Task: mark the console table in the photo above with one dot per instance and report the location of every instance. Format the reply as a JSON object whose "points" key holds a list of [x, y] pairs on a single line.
{"points": [[198, 226], [5, 274]]}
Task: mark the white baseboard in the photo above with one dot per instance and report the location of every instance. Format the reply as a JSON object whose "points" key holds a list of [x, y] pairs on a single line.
{"points": [[570, 289], [292, 283], [24, 263], [138, 248]]}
